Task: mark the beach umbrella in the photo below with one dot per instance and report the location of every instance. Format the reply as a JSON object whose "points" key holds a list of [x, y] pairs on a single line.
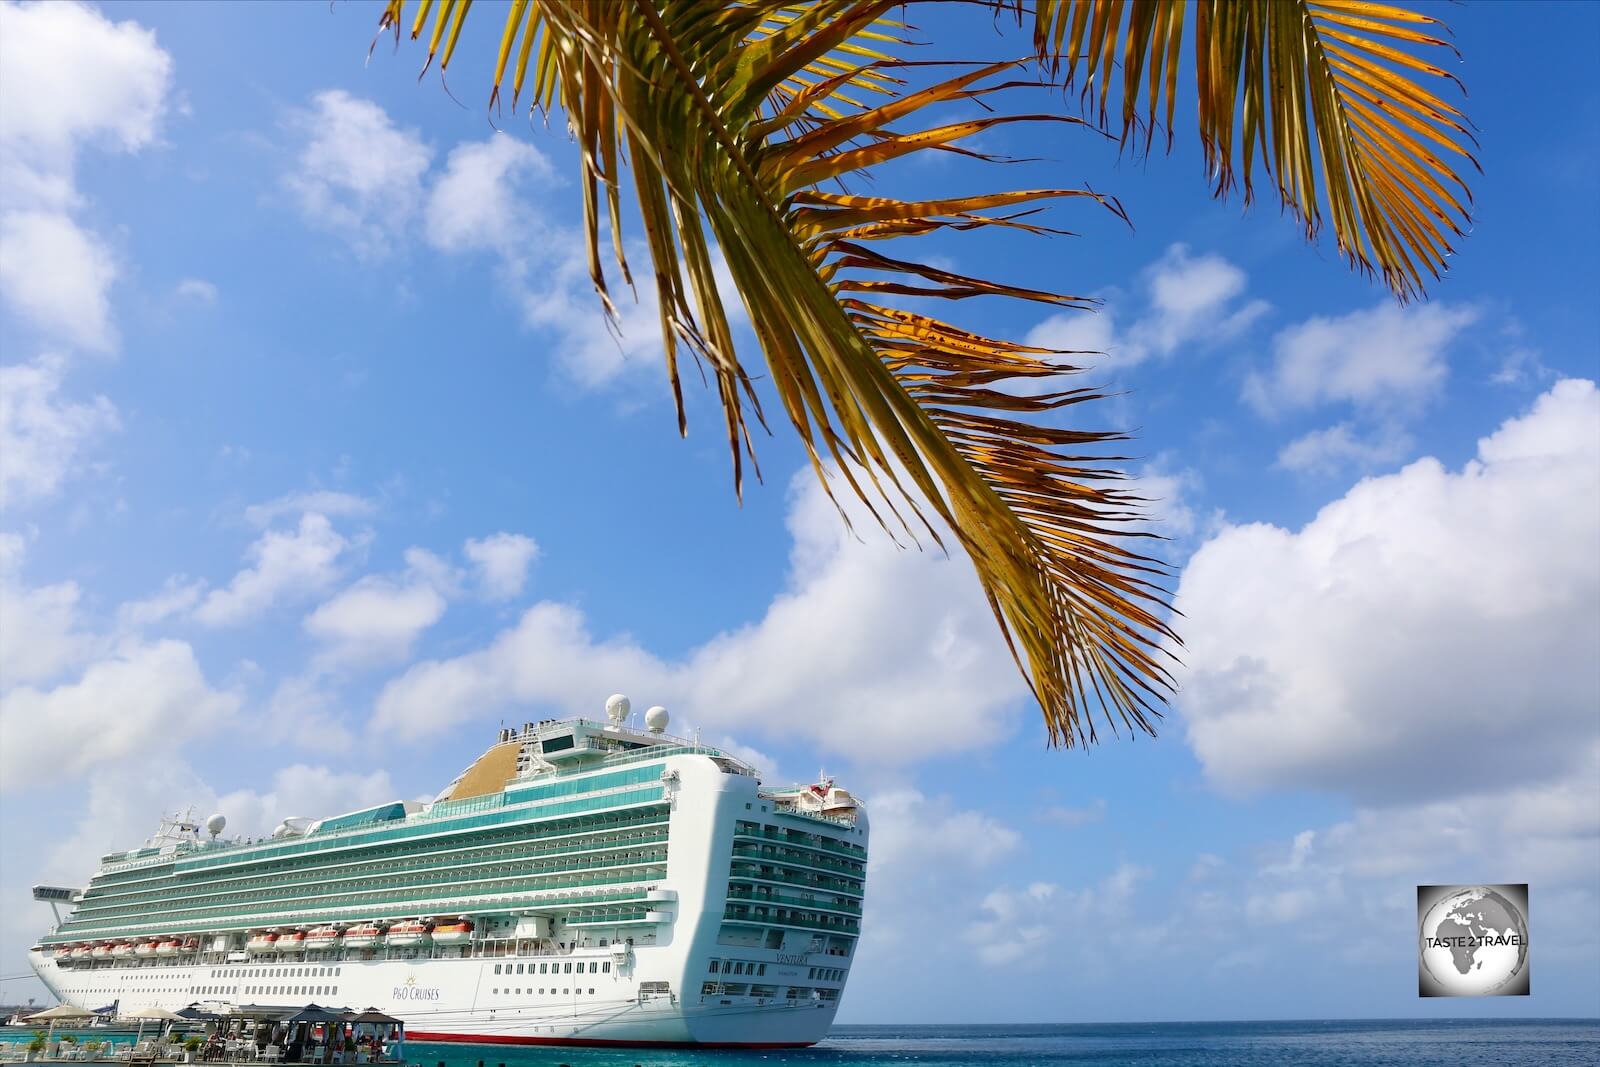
{"points": [[56, 1014], [144, 1014]]}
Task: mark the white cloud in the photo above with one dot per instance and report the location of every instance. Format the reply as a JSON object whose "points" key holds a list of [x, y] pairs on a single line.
{"points": [[474, 204], [39, 632], [1328, 451], [870, 647], [1429, 635], [1021, 925], [1387, 358], [42, 435], [487, 200], [913, 834], [1191, 301], [322, 501], [197, 289], [145, 698], [178, 596], [70, 78], [380, 617], [357, 174], [502, 561], [58, 276], [285, 564]]}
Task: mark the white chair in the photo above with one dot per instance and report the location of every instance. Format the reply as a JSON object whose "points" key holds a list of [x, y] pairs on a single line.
{"points": [[273, 1054]]}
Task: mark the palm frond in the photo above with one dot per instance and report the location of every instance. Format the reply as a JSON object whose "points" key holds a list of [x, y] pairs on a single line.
{"points": [[731, 118], [1331, 92]]}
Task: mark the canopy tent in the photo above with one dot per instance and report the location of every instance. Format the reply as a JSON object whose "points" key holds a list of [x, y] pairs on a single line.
{"points": [[196, 1014], [154, 1013], [60, 1011], [145, 1015], [57, 1014], [371, 1015], [315, 1013]]}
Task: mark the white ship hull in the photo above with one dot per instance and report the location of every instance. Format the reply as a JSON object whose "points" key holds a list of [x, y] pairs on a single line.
{"points": [[451, 1000]]}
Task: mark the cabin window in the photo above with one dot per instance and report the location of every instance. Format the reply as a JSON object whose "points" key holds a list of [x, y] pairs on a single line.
{"points": [[605, 968], [497, 968]]}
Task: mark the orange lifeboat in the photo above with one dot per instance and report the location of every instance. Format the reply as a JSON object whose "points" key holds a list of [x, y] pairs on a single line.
{"points": [[457, 933], [145, 949], [169, 947], [323, 937], [293, 942], [101, 951], [409, 934], [121, 950], [367, 935], [81, 951], [261, 943], [191, 944]]}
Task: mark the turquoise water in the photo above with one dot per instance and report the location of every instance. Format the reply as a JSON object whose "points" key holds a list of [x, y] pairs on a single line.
{"points": [[1466, 1043]]}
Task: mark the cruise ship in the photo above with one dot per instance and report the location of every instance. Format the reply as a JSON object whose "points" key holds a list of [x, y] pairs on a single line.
{"points": [[582, 883]]}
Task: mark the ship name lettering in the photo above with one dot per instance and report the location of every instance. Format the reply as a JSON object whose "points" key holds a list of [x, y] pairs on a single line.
{"points": [[404, 992], [792, 957]]}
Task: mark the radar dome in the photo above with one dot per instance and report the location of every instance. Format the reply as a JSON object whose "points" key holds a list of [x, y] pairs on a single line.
{"points": [[656, 719], [617, 707], [216, 823]]}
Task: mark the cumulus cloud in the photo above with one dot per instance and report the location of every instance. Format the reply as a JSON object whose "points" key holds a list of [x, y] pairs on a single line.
{"points": [[58, 276], [71, 78], [43, 435], [379, 618], [1330, 450], [178, 596], [146, 694], [357, 174], [502, 561], [325, 502], [1190, 301], [487, 201], [1428, 635], [1387, 358], [1020, 925], [40, 634], [285, 563], [869, 645]]}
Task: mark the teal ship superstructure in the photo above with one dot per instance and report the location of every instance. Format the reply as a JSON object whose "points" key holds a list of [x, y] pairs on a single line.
{"points": [[582, 882]]}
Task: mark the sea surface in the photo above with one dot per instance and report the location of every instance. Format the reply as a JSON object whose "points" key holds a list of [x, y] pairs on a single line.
{"points": [[1345, 1043]]}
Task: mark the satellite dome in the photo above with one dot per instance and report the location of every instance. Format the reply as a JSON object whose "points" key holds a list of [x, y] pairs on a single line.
{"points": [[617, 707], [216, 823], [656, 719]]}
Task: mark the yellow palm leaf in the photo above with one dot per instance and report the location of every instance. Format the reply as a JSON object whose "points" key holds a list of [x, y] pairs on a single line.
{"points": [[1329, 92]]}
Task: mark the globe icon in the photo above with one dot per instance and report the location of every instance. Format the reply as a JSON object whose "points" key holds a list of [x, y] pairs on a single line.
{"points": [[1474, 942]]}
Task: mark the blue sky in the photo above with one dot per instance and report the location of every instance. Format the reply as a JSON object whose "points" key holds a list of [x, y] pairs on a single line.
{"points": [[317, 463]]}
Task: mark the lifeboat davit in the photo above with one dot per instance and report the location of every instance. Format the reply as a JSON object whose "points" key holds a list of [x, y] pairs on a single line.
{"points": [[365, 936], [323, 937], [166, 948], [452, 933], [292, 942], [408, 934], [121, 951], [144, 949], [261, 943]]}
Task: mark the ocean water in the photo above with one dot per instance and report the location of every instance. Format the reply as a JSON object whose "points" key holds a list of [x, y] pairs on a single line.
{"points": [[1358, 1043]]}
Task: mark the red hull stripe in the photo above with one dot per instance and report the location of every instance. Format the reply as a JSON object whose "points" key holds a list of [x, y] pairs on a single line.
{"points": [[518, 1039]]}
